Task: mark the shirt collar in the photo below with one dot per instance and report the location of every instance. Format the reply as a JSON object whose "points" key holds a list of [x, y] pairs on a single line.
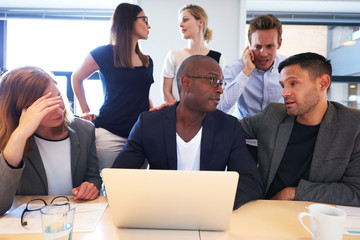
{"points": [[271, 69]]}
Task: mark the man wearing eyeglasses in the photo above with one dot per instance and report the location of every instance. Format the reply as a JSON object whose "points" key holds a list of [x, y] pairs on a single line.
{"points": [[192, 134]]}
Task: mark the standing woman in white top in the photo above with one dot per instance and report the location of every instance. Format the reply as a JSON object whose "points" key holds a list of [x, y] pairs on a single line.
{"points": [[193, 22]]}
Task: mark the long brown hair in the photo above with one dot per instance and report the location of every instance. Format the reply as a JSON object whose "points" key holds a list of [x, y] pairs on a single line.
{"points": [[19, 89], [121, 34]]}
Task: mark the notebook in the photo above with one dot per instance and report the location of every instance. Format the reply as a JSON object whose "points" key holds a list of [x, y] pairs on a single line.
{"points": [[170, 199]]}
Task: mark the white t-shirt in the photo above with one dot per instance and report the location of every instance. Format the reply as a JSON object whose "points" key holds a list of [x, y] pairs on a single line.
{"points": [[188, 153], [171, 65], [56, 157]]}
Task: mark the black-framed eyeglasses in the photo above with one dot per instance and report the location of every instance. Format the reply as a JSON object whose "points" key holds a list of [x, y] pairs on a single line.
{"points": [[33, 205], [214, 81], [145, 19]]}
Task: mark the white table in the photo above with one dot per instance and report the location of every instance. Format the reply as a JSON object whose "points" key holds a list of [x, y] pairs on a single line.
{"points": [[258, 220]]}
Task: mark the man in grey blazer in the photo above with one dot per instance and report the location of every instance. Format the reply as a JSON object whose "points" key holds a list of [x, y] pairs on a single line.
{"points": [[309, 147]]}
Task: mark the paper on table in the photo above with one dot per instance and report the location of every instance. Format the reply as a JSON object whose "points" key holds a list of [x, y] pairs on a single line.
{"points": [[87, 216], [352, 223]]}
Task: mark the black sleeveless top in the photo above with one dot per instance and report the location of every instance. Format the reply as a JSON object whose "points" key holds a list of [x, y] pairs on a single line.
{"points": [[215, 55]]}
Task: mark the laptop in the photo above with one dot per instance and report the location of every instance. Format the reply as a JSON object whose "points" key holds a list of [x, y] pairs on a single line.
{"points": [[170, 199]]}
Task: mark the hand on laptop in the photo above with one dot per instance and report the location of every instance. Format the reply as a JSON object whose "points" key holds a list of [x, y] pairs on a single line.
{"points": [[86, 191]]}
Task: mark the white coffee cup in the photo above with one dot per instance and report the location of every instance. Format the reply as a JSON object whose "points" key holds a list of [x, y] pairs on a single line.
{"points": [[327, 222]]}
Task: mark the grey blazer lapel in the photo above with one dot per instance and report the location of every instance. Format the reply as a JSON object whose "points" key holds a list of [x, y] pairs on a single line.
{"points": [[170, 137], [36, 161], [75, 150], [281, 142], [323, 140]]}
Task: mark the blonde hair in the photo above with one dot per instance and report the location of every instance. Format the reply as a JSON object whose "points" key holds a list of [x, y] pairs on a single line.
{"points": [[19, 89], [199, 13]]}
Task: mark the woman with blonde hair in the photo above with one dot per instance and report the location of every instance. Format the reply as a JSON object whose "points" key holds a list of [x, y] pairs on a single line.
{"points": [[126, 75], [193, 22], [43, 150]]}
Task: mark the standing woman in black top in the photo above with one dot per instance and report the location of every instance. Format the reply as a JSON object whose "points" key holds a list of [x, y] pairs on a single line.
{"points": [[193, 22], [126, 75]]}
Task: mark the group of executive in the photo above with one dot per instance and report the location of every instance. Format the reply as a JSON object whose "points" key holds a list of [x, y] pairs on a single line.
{"points": [[287, 141]]}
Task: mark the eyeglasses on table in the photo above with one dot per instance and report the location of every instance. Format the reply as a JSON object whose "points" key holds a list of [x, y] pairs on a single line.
{"points": [[33, 205]]}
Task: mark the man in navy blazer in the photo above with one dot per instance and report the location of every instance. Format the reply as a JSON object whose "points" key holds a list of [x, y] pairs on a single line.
{"points": [[192, 134]]}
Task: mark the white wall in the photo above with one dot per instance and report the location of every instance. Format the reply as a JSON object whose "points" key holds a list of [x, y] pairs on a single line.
{"points": [[164, 33]]}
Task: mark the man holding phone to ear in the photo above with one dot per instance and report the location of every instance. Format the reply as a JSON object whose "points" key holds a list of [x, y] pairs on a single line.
{"points": [[253, 80]]}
